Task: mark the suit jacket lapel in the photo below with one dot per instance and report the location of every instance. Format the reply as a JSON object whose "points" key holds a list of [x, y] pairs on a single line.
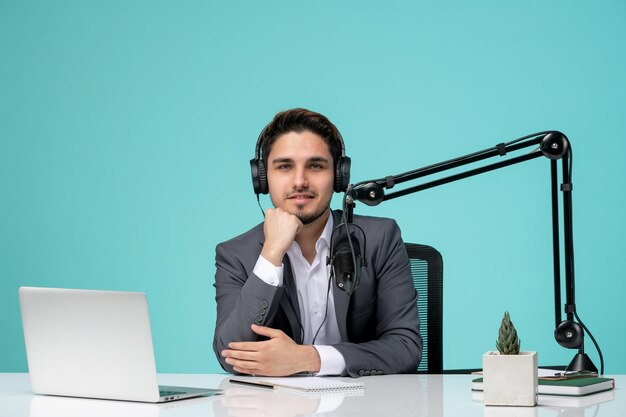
{"points": [[292, 310]]}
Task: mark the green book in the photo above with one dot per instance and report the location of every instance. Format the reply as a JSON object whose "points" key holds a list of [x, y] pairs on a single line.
{"points": [[574, 387]]}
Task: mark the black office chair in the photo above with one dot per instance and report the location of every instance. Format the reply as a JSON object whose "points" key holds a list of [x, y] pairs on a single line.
{"points": [[427, 271]]}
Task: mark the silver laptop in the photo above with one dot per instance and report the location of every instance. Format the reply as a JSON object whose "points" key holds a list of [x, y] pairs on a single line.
{"points": [[93, 344]]}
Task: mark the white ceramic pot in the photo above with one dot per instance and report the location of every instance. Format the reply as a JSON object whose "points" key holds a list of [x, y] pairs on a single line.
{"points": [[510, 379]]}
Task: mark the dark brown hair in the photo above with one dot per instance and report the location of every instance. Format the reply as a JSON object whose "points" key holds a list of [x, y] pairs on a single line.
{"points": [[300, 120]]}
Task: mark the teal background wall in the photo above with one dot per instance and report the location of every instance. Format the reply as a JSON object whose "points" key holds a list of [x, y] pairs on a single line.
{"points": [[126, 129]]}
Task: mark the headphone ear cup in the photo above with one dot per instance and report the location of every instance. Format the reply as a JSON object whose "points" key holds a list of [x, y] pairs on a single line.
{"points": [[259, 176], [263, 186], [342, 174]]}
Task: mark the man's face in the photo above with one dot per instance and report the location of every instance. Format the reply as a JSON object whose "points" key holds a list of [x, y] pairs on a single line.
{"points": [[300, 175]]}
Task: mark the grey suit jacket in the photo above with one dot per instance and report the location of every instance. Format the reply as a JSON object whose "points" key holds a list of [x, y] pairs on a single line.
{"points": [[378, 324]]}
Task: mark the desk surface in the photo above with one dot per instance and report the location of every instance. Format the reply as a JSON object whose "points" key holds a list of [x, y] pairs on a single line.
{"points": [[391, 395]]}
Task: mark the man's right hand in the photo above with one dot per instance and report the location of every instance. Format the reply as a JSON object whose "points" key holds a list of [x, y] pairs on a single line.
{"points": [[280, 229]]}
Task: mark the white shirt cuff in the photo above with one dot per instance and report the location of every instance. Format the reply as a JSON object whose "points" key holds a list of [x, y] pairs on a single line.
{"points": [[331, 361], [270, 274]]}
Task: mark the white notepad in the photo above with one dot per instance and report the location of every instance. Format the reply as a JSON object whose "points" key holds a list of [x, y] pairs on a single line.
{"points": [[307, 384]]}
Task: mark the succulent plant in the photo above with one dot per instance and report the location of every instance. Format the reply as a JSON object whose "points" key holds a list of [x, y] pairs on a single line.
{"points": [[508, 343]]}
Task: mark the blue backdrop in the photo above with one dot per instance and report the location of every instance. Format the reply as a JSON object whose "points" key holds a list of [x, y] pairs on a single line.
{"points": [[126, 129]]}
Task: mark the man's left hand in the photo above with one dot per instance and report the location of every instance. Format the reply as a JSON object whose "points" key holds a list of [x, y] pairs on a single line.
{"points": [[278, 356]]}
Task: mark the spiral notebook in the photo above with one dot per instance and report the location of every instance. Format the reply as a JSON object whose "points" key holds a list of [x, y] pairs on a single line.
{"points": [[306, 384]]}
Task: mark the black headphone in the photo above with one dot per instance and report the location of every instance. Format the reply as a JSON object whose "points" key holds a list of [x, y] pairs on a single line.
{"points": [[259, 171]]}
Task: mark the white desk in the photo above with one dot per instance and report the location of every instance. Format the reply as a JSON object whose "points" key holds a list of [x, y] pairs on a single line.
{"points": [[388, 396]]}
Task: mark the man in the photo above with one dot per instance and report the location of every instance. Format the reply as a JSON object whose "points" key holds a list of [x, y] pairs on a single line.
{"points": [[278, 310]]}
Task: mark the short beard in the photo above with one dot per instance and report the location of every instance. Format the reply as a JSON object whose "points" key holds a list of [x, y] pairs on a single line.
{"points": [[310, 218]]}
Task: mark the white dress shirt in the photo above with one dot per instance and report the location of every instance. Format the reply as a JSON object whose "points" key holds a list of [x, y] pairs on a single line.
{"points": [[315, 298]]}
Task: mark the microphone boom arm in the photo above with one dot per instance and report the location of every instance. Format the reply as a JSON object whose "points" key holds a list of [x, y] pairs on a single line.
{"points": [[552, 144]]}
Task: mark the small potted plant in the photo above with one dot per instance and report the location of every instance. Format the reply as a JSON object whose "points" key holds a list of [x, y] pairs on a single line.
{"points": [[509, 376]]}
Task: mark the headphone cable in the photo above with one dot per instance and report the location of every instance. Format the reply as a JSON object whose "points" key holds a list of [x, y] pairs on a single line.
{"points": [[258, 200]]}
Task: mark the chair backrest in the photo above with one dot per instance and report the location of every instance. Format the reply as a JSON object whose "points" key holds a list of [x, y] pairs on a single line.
{"points": [[427, 271]]}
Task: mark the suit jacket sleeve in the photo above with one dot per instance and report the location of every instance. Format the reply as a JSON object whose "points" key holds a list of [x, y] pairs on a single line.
{"points": [[242, 297], [395, 345]]}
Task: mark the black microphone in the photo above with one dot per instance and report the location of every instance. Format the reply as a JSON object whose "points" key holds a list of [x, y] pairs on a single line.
{"points": [[346, 260]]}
